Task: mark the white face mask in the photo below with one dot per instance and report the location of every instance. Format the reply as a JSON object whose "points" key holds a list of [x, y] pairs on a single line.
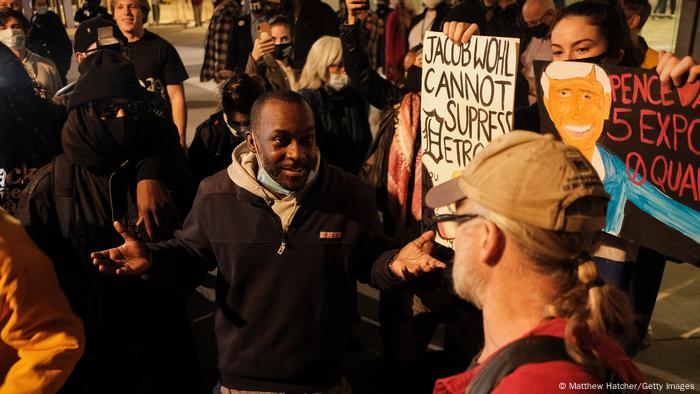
{"points": [[337, 81], [41, 10], [13, 38], [430, 4]]}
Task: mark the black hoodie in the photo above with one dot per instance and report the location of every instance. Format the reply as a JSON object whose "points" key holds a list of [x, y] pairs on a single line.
{"points": [[128, 321]]}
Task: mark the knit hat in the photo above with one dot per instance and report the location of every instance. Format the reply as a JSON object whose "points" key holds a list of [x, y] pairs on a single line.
{"points": [[108, 75], [97, 30], [530, 178]]}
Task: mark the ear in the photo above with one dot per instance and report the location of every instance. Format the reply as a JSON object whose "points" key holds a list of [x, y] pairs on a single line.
{"points": [[494, 243], [251, 141], [633, 22], [608, 105]]}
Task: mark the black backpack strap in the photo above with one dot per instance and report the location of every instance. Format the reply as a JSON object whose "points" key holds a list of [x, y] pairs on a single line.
{"points": [[528, 350], [63, 193]]}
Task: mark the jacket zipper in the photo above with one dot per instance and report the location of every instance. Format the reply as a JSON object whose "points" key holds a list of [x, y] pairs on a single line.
{"points": [[283, 245]]}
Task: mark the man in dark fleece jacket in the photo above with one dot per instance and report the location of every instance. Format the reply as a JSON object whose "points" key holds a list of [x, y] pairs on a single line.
{"points": [[290, 235]]}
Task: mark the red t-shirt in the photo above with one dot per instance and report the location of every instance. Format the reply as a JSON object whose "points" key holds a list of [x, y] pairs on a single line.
{"points": [[554, 377]]}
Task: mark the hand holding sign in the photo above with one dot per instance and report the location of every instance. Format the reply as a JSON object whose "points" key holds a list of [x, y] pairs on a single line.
{"points": [[674, 71], [460, 32], [643, 139], [467, 97]]}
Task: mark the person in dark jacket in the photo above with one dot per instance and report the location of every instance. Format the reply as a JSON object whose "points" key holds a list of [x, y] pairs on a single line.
{"points": [[48, 38], [91, 9], [313, 19], [428, 20], [68, 209], [271, 57], [342, 125], [213, 143], [602, 24], [27, 141], [410, 314], [98, 33], [228, 40], [290, 235]]}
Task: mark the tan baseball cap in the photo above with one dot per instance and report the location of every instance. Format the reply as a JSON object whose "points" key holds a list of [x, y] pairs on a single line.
{"points": [[530, 178]]}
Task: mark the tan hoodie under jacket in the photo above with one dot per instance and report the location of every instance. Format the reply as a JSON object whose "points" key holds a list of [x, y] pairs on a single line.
{"points": [[243, 171]]}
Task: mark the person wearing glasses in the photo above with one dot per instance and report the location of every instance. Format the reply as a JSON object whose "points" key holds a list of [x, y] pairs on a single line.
{"points": [[342, 127], [100, 33], [68, 210], [91, 35], [523, 230], [153, 198]]}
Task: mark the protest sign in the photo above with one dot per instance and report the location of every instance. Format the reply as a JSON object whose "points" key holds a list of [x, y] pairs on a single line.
{"points": [[644, 141], [467, 98]]}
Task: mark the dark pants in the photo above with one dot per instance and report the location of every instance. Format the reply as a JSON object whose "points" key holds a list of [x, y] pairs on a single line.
{"points": [[641, 281], [661, 7], [155, 10]]}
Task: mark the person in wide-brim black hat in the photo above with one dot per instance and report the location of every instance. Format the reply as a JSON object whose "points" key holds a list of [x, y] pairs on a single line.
{"points": [[110, 144]]}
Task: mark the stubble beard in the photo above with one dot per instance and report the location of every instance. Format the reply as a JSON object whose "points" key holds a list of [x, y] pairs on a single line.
{"points": [[467, 282]]}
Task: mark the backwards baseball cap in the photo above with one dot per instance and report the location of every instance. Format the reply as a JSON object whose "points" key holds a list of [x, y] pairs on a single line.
{"points": [[97, 30], [108, 75], [529, 178]]}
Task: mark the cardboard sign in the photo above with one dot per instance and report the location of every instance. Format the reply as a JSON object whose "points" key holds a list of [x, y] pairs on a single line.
{"points": [[467, 98], [644, 141]]}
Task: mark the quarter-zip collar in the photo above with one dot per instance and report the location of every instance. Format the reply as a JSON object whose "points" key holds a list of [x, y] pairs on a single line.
{"points": [[243, 172]]}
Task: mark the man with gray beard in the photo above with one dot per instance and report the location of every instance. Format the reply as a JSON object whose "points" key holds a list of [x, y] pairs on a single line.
{"points": [[524, 216]]}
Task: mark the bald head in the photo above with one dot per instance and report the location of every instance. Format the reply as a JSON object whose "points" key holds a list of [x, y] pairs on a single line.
{"points": [[535, 10]]}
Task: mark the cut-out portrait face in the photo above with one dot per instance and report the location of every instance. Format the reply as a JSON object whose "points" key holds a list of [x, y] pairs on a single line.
{"points": [[578, 102]]}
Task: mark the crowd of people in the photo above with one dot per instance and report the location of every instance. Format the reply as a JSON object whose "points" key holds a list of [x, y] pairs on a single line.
{"points": [[109, 220]]}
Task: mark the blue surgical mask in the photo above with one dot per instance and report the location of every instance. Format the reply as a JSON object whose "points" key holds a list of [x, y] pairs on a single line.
{"points": [[270, 184], [265, 179]]}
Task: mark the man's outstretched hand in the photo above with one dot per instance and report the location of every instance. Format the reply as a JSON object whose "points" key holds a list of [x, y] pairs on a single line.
{"points": [[131, 258], [414, 258]]}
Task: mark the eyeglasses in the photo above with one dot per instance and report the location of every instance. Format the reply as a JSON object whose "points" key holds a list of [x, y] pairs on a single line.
{"points": [[109, 110], [447, 224]]}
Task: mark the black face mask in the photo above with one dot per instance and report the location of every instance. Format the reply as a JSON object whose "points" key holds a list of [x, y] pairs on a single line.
{"points": [[282, 50], [414, 79], [539, 31], [593, 59], [121, 129]]}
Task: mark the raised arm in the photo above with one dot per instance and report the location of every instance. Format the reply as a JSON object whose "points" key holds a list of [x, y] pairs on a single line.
{"points": [[377, 91]]}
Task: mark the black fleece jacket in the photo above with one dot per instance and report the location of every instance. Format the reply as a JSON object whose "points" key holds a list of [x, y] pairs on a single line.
{"points": [[284, 313]]}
